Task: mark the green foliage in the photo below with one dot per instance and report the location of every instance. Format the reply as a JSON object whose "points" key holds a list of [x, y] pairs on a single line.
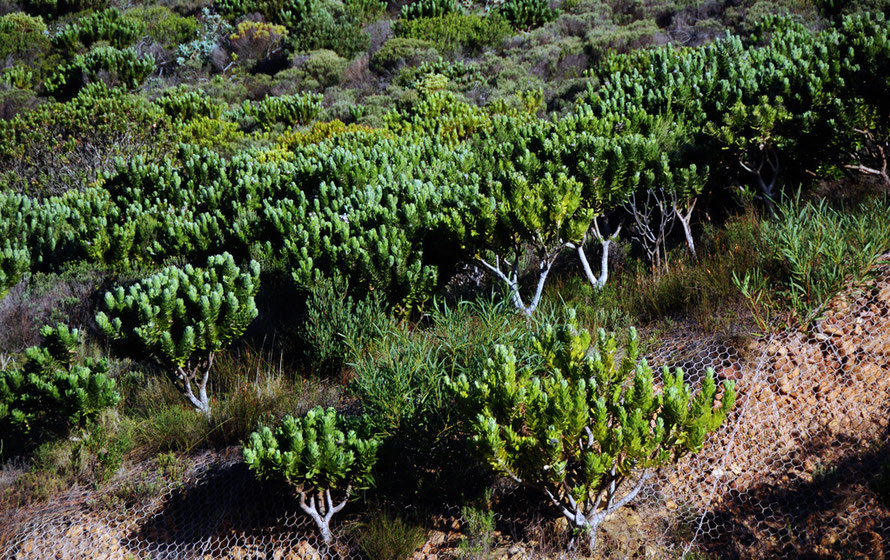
{"points": [[212, 32], [51, 393], [823, 250], [313, 453], [163, 25], [402, 51], [456, 31], [110, 26], [579, 424], [429, 9], [289, 13], [123, 67], [55, 8], [365, 11], [834, 9], [323, 69], [284, 109], [439, 113], [478, 524], [20, 32], [14, 263], [548, 183], [337, 326], [315, 456], [329, 30], [18, 76], [181, 318], [184, 104], [526, 14], [388, 536], [460, 73], [54, 147]]}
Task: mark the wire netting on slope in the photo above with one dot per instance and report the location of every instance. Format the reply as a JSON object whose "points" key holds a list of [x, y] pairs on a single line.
{"points": [[801, 469]]}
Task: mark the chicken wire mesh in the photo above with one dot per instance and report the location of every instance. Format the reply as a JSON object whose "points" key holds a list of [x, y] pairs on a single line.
{"points": [[800, 469]]}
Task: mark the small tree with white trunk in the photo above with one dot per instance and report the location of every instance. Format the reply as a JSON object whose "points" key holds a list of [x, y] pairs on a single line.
{"points": [[586, 429], [181, 318], [317, 458]]}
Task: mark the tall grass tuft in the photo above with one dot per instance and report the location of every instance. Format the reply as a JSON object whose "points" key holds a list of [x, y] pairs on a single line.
{"points": [[821, 249], [386, 536]]}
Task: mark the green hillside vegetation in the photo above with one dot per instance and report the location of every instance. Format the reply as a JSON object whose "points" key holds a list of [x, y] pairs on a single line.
{"points": [[363, 239]]}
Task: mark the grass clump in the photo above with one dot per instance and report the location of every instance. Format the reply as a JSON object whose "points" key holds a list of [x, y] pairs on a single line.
{"points": [[821, 249], [388, 536]]}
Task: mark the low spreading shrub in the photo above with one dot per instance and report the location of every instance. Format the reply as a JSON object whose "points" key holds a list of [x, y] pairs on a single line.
{"points": [[428, 9], [110, 26], [285, 109], [451, 32], [402, 51], [116, 67], [577, 426], [52, 393]]}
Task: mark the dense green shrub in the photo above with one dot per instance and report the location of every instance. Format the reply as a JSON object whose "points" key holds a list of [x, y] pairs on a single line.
{"points": [[285, 109], [55, 8], [285, 12], [20, 32], [365, 11], [454, 31], [164, 26], [338, 326], [18, 76], [578, 426], [329, 30], [184, 104], [316, 457], [57, 146], [602, 40], [526, 14], [459, 73], [110, 25], [822, 249], [834, 9], [52, 393], [429, 9], [14, 263], [324, 68], [402, 51], [116, 67], [182, 317], [439, 113]]}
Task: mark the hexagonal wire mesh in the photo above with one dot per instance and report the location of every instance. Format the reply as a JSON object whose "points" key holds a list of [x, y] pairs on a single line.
{"points": [[801, 469]]}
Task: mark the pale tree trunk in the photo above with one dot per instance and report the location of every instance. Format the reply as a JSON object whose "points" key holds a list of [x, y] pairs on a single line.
{"points": [[322, 511], [877, 151], [605, 242], [653, 223], [511, 278], [184, 376], [607, 502], [685, 217]]}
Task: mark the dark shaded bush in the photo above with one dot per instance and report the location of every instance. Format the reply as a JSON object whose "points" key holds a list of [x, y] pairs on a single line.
{"points": [[116, 67], [52, 393], [109, 25]]}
